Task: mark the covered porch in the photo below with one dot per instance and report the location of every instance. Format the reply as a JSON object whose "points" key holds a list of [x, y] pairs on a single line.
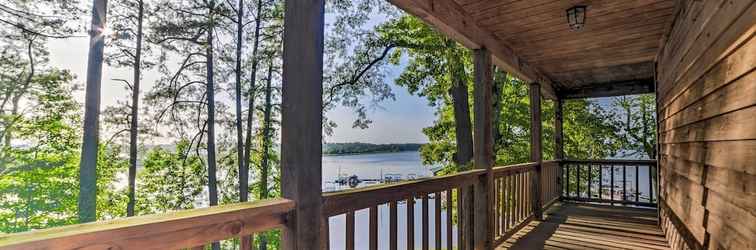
{"points": [[697, 56]]}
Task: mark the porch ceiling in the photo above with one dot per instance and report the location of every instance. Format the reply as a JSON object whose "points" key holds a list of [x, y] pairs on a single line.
{"points": [[532, 39]]}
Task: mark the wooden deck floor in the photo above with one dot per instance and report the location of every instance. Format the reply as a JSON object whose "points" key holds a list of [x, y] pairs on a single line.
{"points": [[586, 226]]}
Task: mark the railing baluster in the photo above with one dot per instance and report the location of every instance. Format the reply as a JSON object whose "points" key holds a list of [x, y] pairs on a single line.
{"points": [[411, 222], [350, 230], [449, 220], [637, 184], [624, 182], [373, 238], [510, 201], [611, 186], [590, 180], [425, 222], [601, 181], [438, 219], [522, 196], [566, 180], [650, 186], [392, 226], [496, 207], [501, 205], [460, 219], [578, 180]]}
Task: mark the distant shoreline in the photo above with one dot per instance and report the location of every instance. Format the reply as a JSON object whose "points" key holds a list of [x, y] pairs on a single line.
{"points": [[358, 148], [370, 153]]}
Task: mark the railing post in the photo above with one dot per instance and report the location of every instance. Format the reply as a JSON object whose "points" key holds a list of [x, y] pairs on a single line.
{"points": [[535, 147], [559, 142], [483, 154], [301, 130]]}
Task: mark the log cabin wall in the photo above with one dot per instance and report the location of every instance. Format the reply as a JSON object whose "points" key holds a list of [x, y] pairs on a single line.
{"points": [[706, 94]]}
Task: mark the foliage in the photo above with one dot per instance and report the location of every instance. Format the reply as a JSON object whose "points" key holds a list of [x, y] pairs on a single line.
{"points": [[635, 117], [39, 178], [177, 187]]}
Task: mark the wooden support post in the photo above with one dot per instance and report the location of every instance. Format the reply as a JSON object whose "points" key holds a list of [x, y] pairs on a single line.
{"points": [[559, 142], [301, 130], [535, 147], [483, 154]]}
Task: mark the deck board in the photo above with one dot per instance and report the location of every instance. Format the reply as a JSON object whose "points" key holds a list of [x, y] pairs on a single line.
{"points": [[587, 226]]}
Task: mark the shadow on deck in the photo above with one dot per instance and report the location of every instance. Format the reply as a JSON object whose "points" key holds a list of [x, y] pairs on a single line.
{"points": [[587, 226]]}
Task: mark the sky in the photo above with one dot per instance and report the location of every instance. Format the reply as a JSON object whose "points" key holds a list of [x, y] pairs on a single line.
{"points": [[398, 121]]}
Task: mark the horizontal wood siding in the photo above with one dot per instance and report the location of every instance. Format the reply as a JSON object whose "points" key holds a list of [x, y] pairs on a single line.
{"points": [[707, 126]]}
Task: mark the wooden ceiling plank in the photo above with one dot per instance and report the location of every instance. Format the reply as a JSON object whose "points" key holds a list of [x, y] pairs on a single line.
{"points": [[594, 22], [657, 19], [606, 50], [597, 39], [449, 18], [557, 12], [632, 87], [596, 63]]}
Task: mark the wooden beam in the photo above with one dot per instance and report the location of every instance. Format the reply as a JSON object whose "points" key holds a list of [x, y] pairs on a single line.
{"points": [[301, 130], [536, 154], [483, 149], [449, 18], [619, 88], [175, 230]]}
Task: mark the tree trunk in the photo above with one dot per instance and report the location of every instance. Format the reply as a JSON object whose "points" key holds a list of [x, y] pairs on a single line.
{"points": [[460, 99], [266, 145], [463, 133], [212, 182], [251, 97], [88, 162], [134, 128], [243, 170]]}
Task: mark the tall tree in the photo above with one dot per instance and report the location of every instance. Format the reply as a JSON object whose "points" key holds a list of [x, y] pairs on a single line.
{"points": [[243, 169], [253, 79], [266, 144], [90, 145], [127, 19]]}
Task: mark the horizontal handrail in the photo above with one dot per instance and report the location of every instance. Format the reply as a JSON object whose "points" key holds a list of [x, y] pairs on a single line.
{"points": [[360, 198], [511, 169], [611, 161], [180, 229]]}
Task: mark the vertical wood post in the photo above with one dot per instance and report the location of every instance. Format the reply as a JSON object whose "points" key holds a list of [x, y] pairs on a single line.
{"points": [[301, 117], [535, 147], [559, 141], [483, 154]]}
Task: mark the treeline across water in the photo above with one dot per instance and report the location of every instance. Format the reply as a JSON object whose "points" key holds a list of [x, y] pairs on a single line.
{"points": [[366, 148]]}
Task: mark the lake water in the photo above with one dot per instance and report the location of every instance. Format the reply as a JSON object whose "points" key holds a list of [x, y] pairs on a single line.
{"points": [[406, 165]]}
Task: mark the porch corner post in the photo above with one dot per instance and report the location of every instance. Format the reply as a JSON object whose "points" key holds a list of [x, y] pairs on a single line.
{"points": [[535, 147], [483, 153], [301, 117], [559, 141]]}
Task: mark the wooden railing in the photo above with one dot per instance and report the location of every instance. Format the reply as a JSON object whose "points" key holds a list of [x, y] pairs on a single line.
{"points": [[513, 207], [183, 229], [606, 181], [445, 205], [443, 192]]}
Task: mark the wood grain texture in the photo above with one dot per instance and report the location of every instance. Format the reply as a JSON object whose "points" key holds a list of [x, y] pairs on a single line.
{"points": [[301, 122], [164, 231], [584, 226], [450, 18]]}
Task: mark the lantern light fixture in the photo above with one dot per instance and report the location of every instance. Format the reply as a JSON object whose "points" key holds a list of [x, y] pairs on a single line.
{"points": [[576, 17]]}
